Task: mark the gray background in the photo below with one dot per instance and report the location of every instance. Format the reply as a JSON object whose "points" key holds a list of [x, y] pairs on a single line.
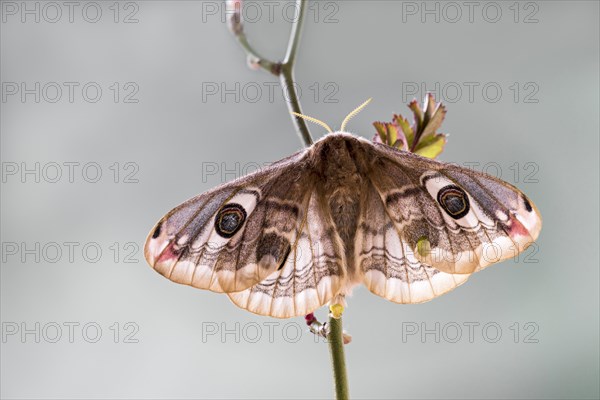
{"points": [[360, 49]]}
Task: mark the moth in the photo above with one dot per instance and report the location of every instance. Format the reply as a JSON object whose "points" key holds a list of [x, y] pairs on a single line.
{"points": [[301, 233]]}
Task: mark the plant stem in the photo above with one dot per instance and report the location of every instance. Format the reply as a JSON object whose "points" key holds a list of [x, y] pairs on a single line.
{"points": [[262, 62], [338, 359], [287, 75], [284, 70], [293, 102], [290, 55]]}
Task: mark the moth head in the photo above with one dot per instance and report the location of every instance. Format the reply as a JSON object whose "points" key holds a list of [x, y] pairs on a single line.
{"points": [[344, 122]]}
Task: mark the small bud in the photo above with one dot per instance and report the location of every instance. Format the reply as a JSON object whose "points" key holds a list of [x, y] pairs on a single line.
{"points": [[233, 11], [336, 310], [253, 62], [310, 318]]}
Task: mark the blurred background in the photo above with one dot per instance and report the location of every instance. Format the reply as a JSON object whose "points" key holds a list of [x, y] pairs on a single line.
{"points": [[115, 112]]}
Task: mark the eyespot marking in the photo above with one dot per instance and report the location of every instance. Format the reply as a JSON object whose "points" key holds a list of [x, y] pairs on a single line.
{"points": [[454, 201], [527, 203], [230, 219]]}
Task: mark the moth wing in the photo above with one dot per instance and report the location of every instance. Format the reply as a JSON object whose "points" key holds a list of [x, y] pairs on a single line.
{"points": [[235, 235], [388, 264], [312, 275], [451, 218]]}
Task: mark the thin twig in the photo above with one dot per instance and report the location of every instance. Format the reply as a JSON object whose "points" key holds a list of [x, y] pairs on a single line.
{"points": [[256, 59], [287, 74], [287, 82], [284, 70]]}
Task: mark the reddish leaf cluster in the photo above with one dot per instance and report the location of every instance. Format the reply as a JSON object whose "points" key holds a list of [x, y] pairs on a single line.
{"points": [[420, 137]]}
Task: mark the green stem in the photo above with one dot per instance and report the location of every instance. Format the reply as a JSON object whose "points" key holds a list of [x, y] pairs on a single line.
{"points": [[338, 360]]}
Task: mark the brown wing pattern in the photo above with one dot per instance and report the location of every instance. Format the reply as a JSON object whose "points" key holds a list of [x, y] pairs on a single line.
{"points": [[467, 219], [234, 236], [312, 275]]}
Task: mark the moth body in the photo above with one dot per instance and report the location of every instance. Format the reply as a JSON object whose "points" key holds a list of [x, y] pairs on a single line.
{"points": [[339, 159]]}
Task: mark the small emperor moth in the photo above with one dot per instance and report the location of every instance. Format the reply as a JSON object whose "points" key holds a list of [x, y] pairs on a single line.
{"points": [[287, 239]]}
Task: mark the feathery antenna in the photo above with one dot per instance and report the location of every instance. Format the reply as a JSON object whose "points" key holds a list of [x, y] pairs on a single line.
{"points": [[344, 122], [314, 120], [353, 113]]}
